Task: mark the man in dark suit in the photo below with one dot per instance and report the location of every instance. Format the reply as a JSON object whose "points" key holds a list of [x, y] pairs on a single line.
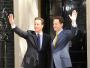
{"points": [[60, 44], [38, 52]]}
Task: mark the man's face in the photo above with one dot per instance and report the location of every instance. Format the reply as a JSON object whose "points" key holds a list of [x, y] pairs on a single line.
{"points": [[57, 25], [38, 25]]}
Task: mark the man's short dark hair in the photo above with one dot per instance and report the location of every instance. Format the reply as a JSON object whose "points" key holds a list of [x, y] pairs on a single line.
{"points": [[39, 18], [61, 20]]}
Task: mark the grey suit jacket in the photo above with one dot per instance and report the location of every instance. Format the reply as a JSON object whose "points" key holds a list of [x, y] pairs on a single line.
{"points": [[63, 38], [60, 53]]}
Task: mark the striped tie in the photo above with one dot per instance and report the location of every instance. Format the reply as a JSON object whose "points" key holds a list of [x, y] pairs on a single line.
{"points": [[55, 39]]}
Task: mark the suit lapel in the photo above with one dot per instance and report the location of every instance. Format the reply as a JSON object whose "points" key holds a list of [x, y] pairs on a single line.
{"points": [[33, 38], [43, 41], [60, 36]]}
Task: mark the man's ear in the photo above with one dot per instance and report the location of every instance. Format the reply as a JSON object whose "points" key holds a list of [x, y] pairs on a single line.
{"points": [[62, 24]]}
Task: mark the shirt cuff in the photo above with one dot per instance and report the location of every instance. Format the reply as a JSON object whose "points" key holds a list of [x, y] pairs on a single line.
{"points": [[13, 26], [74, 24]]}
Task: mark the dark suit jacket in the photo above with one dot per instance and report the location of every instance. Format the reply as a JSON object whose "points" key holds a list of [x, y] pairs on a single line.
{"points": [[34, 57]]}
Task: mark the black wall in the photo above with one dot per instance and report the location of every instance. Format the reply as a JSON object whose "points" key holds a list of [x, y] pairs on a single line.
{"points": [[6, 35]]}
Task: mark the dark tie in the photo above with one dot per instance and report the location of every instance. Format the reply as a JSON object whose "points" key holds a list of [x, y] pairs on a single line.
{"points": [[38, 40]]}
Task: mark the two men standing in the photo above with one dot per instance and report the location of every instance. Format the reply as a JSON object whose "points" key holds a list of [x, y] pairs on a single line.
{"points": [[38, 54]]}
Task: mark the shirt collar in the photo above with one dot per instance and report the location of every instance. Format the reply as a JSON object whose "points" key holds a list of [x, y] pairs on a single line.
{"points": [[41, 33], [59, 31]]}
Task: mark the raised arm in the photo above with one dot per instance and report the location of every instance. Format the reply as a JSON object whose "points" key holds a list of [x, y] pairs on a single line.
{"points": [[15, 28], [73, 18]]}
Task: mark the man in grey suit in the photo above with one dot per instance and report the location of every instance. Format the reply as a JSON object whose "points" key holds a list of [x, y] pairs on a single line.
{"points": [[60, 53]]}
